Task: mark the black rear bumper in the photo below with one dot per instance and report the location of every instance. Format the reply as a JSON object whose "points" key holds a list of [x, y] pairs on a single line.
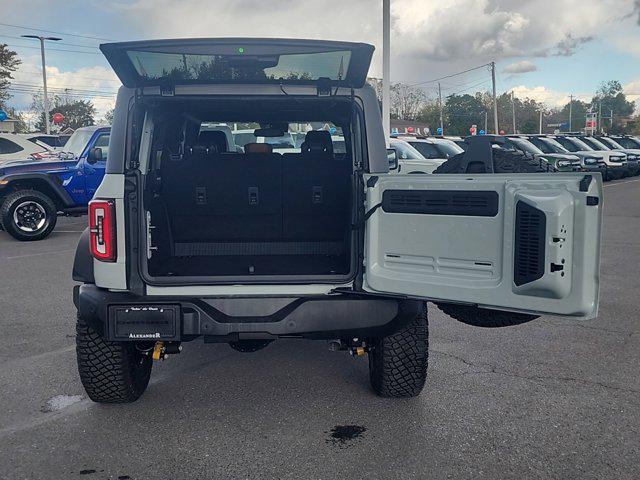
{"points": [[231, 319]]}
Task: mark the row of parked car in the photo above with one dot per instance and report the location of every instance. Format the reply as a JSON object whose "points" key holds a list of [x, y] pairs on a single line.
{"points": [[20, 146], [614, 156]]}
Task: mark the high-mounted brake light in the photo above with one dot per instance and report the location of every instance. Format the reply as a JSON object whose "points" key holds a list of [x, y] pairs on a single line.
{"points": [[102, 227]]}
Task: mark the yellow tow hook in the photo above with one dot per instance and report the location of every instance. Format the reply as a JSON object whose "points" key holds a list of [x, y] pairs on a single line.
{"points": [[158, 351]]}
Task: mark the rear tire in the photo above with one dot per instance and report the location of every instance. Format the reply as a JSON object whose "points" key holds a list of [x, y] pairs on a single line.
{"points": [[111, 372], [398, 362], [504, 161], [28, 215]]}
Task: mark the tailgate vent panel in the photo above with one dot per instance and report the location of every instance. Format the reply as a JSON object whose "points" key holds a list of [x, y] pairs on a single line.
{"points": [[441, 202], [531, 226]]}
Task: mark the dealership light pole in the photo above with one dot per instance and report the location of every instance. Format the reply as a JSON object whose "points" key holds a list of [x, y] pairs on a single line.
{"points": [[386, 67], [44, 76]]}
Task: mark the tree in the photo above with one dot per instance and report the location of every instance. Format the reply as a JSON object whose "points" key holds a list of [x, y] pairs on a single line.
{"points": [[8, 64], [461, 112], [430, 114], [79, 113], [108, 117], [609, 98], [406, 101]]}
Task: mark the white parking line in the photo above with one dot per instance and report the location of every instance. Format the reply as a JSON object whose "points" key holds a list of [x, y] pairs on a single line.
{"points": [[37, 254], [622, 183]]}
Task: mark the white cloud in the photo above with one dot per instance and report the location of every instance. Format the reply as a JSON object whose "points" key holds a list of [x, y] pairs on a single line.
{"points": [[97, 84], [549, 97], [524, 66]]}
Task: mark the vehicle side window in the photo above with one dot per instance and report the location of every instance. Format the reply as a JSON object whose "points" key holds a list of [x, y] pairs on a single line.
{"points": [[426, 149], [103, 142], [7, 146]]}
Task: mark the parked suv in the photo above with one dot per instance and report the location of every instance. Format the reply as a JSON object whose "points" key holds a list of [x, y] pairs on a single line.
{"points": [[33, 192], [188, 239]]}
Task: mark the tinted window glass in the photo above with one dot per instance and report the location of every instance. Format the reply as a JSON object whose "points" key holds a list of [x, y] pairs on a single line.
{"points": [[103, 142], [241, 66], [525, 146], [7, 146], [426, 149]]}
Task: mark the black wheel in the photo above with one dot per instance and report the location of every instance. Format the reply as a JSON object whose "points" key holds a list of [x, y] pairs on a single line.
{"points": [[398, 362], [479, 317], [111, 372], [249, 346], [28, 215], [504, 161]]}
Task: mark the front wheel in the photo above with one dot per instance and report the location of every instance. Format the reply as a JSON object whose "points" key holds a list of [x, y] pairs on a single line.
{"points": [[111, 372], [28, 215], [398, 362]]}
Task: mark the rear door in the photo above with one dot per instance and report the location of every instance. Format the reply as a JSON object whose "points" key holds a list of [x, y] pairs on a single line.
{"points": [[526, 243], [238, 60]]}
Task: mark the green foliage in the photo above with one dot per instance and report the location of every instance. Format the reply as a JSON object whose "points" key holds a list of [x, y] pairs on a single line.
{"points": [[9, 62], [80, 113]]}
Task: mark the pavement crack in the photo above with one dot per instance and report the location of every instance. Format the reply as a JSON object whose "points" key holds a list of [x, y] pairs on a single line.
{"points": [[493, 369]]}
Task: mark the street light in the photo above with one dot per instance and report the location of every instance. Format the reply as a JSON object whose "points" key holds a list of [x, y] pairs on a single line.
{"points": [[44, 76]]}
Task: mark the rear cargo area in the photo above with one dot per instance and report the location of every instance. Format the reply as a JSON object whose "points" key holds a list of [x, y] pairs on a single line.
{"points": [[215, 209]]}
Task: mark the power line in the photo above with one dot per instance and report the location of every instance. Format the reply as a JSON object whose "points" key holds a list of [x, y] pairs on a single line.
{"points": [[57, 33], [55, 49], [62, 89], [450, 76], [58, 43]]}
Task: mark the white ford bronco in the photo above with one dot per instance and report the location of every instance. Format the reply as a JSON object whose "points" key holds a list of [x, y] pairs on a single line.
{"points": [[190, 239]]}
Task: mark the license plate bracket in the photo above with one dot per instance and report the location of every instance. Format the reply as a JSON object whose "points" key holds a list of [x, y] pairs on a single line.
{"points": [[144, 323]]}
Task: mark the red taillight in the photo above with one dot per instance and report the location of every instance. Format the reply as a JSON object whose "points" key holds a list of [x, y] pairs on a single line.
{"points": [[102, 226]]}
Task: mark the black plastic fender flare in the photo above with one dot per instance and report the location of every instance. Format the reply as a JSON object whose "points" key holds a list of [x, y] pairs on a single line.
{"points": [[63, 196], [83, 261]]}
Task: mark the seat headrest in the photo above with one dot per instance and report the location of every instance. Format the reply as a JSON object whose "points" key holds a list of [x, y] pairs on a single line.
{"points": [[213, 139], [317, 141], [258, 148]]}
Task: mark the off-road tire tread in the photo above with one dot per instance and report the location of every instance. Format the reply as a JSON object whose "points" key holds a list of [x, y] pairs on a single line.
{"points": [[6, 217], [108, 370], [398, 363]]}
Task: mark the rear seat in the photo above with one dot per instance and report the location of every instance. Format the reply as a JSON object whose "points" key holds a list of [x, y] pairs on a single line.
{"points": [[213, 195], [315, 190]]}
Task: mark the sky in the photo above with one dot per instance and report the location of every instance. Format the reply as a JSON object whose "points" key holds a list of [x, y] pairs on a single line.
{"points": [[545, 50]]}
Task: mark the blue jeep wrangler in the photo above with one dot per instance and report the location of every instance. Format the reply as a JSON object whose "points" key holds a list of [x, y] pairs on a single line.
{"points": [[34, 192]]}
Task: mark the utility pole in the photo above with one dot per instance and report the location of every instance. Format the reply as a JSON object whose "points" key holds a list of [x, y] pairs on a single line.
{"points": [[570, 112], [440, 107], [495, 98], [486, 120], [599, 116], [513, 110], [540, 122], [611, 125], [386, 68], [44, 76]]}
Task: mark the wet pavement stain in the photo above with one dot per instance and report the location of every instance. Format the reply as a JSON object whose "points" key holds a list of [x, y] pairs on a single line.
{"points": [[60, 402], [345, 435]]}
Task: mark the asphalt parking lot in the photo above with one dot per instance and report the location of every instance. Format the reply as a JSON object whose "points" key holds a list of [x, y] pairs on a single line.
{"points": [[549, 399]]}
